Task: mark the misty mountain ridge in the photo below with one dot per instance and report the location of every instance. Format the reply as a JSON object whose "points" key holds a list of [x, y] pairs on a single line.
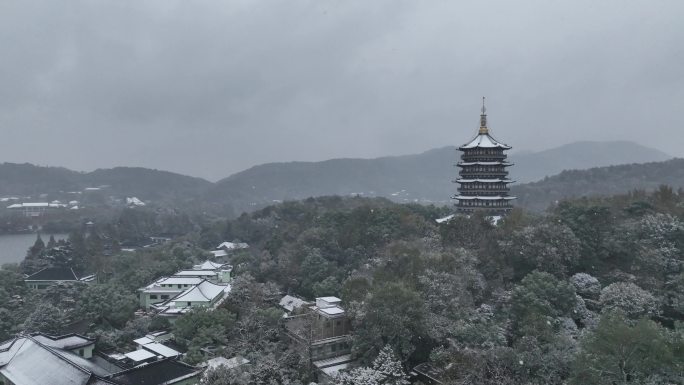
{"points": [[425, 177], [30, 180], [600, 181]]}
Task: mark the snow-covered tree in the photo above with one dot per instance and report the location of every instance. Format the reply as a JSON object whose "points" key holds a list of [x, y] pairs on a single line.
{"points": [[586, 285], [628, 298], [386, 369], [548, 247], [387, 363]]}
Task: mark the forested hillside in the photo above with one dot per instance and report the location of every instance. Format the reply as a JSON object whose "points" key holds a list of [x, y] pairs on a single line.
{"points": [[602, 181], [30, 180], [593, 293]]}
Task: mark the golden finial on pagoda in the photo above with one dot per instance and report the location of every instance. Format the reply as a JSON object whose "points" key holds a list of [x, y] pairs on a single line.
{"points": [[483, 119]]}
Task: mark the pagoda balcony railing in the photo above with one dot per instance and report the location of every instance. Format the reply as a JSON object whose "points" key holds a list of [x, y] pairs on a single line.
{"points": [[481, 151], [484, 174], [483, 158], [482, 204], [501, 192]]}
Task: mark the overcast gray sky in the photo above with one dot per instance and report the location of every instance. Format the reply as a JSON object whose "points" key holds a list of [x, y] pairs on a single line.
{"points": [[208, 88]]}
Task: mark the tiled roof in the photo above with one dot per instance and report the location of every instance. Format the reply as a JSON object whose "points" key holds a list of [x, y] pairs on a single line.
{"points": [[27, 361], [290, 302], [204, 292], [54, 274], [67, 341], [156, 373], [484, 141], [161, 350]]}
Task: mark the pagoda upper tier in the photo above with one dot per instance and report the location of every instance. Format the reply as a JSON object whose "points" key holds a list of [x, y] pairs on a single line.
{"points": [[483, 176], [484, 140]]}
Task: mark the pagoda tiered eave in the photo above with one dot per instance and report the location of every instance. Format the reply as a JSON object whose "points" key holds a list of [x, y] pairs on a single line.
{"points": [[484, 141], [484, 198], [502, 163], [484, 180]]}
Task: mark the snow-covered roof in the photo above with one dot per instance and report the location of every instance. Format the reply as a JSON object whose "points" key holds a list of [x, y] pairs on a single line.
{"points": [[232, 245], [290, 302], [329, 299], [28, 361], [229, 363], [331, 310], [134, 201], [505, 164], [444, 219], [178, 281], [498, 180], [484, 198], [195, 273], [219, 253], [35, 204], [140, 355], [174, 282], [161, 350], [69, 341], [204, 292], [209, 265], [54, 274], [143, 341], [484, 141]]}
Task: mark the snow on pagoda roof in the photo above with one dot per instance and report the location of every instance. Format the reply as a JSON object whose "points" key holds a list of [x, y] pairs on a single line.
{"points": [[484, 198], [484, 141], [485, 180], [484, 164]]}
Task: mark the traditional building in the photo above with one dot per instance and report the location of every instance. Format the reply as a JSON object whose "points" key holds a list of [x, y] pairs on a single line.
{"points": [[483, 177], [322, 332], [53, 275], [37, 359]]}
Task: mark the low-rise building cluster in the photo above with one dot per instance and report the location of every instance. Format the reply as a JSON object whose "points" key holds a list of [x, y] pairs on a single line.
{"points": [[205, 285]]}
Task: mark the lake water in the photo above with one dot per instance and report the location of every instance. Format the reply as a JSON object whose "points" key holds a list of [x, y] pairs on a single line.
{"points": [[13, 246]]}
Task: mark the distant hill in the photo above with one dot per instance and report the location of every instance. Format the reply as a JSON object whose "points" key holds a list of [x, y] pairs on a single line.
{"points": [[599, 181], [424, 177], [30, 180], [531, 167], [149, 184]]}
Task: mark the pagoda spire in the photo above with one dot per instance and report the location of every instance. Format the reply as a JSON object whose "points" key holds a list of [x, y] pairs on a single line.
{"points": [[483, 118]]}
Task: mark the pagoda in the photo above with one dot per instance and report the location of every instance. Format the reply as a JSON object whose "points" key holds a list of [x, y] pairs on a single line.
{"points": [[483, 177]]}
